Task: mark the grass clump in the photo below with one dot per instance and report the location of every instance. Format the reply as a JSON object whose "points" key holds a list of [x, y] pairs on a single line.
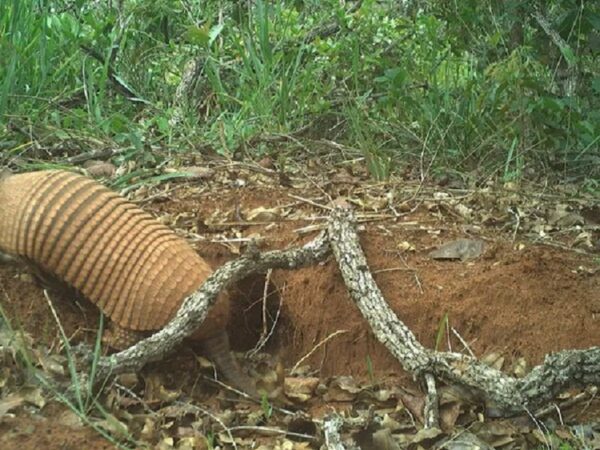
{"points": [[502, 90]]}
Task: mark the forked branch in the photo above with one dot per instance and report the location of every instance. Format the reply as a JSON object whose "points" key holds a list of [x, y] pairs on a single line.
{"points": [[194, 309], [502, 394]]}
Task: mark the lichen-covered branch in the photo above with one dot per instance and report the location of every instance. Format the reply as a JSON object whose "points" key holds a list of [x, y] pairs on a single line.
{"points": [[195, 307], [503, 394], [331, 429]]}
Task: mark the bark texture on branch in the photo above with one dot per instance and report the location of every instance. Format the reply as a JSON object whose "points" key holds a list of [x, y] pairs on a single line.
{"points": [[503, 394], [194, 308]]}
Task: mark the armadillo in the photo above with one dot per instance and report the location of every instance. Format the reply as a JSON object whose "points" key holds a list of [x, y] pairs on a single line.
{"points": [[135, 269]]}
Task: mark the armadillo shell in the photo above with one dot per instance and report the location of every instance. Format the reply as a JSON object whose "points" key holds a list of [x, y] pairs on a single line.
{"points": [[136, 270]]}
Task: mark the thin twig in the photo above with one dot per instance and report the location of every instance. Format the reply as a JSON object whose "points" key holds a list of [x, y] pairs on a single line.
{"points": [[266, 333], [517, 217], [582, 396], [463, 342], [316, 347], [264, 301], [55, 315], [310, 202], [273, 430], [394, 269]]}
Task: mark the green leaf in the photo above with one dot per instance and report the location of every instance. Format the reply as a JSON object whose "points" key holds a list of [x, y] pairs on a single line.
{"points": [[570, 57], [442, 327], [197, 35], [215, 32], [593, 19]]}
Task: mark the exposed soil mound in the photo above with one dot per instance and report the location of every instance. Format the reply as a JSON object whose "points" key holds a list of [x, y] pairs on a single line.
{"points": [[525, 302], [517, 299]]}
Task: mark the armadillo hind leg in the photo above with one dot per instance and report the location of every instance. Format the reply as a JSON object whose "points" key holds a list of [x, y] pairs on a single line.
{"points": [[218, 350]]}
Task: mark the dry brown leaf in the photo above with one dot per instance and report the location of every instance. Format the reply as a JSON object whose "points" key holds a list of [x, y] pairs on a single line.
{"points": [[267, 163], [198, 172], [494, 360], [449, 414], [166, 443], [502, 441], [128, 380], [376, 203], [414, 404], [10, 402], [113, 425], [51, 363], [464, 440], [156, 392], [406, 246], [343, 176], [149, 430], [342, 389], [564, 433], [563, 217], [441, 196], [70, 419], [547, 440], [383, 440], [520, 367], [300, 389], [584, 239], [262, 214], [33, 395], [426, 437], [390, 423], [341, 202], [191, 443], [4, 374], [204, 363], [464, 211], [463, 249], [383, 395]]}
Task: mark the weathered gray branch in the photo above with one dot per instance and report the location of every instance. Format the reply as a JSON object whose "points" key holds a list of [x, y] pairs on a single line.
{"points": [[331, 429], [183, 94], [194, 309], [503, 394], [431, 411]]}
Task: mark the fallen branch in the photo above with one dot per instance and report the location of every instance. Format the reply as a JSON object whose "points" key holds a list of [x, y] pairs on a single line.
{"points": [[503, 395], [194, 308], [431, 411], [565, 50], [331, 428], [183, 94]]}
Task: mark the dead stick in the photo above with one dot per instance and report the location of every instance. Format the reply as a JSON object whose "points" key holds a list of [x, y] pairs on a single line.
{"points": [[195, 307], [503, 394]]}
